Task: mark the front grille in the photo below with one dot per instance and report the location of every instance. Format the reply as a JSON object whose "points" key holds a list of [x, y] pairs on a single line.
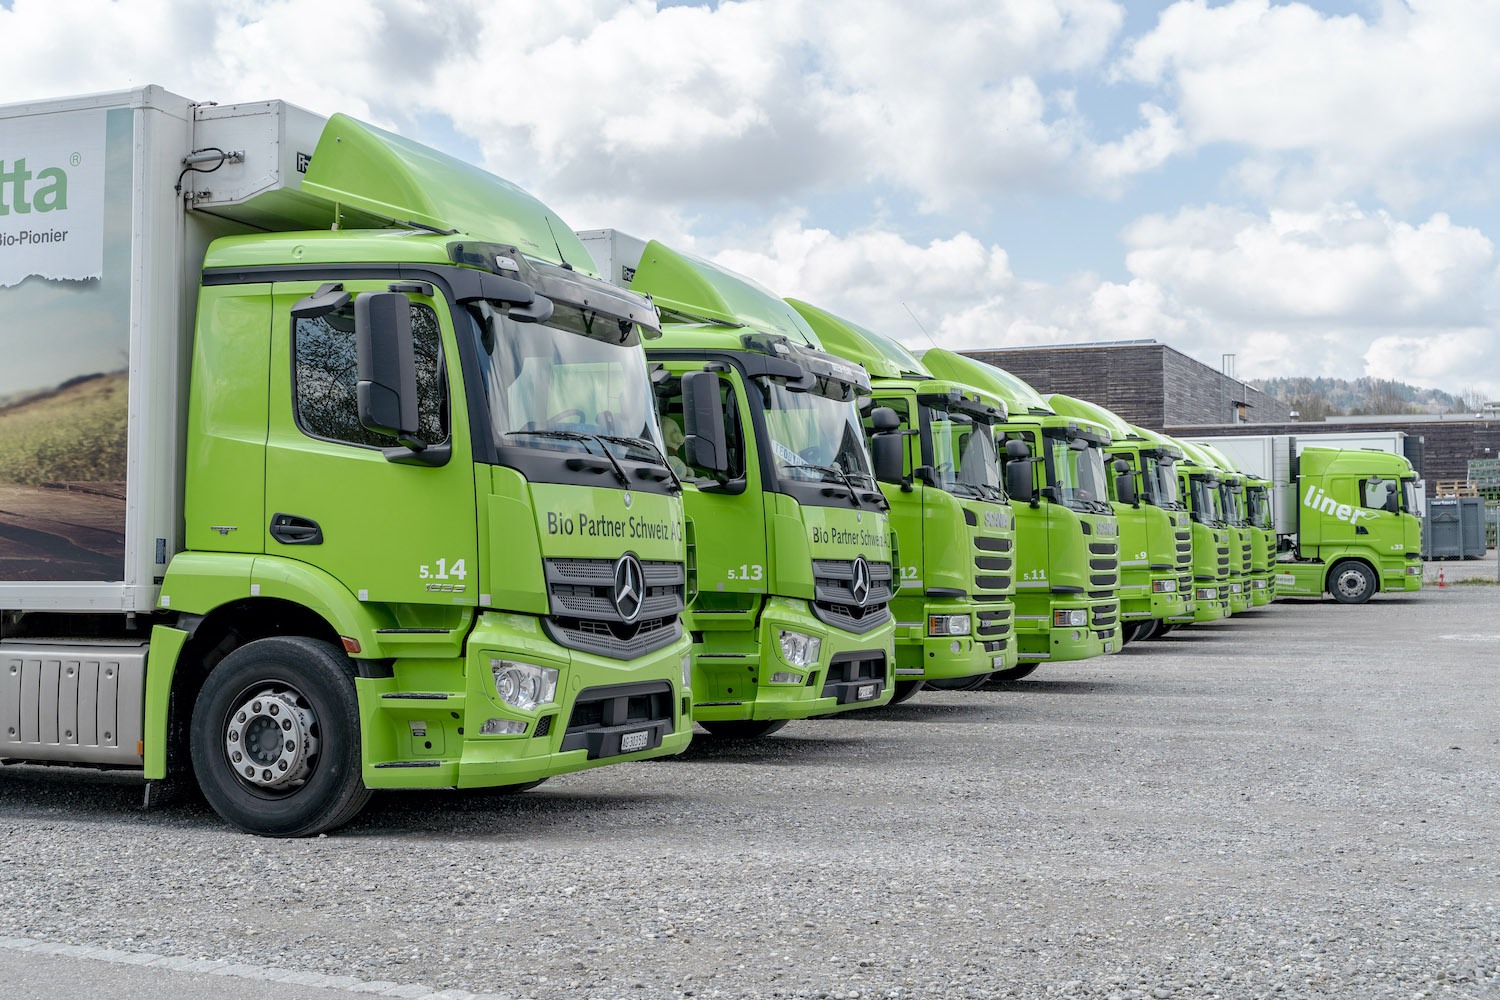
{"points": [[1104, 548], [994, 623], [850, 673], [581, 597], [1105, 564], [1185, 584], [1105, 615], [992, 565], [1247, 556], [834, 603], [604, 716]]}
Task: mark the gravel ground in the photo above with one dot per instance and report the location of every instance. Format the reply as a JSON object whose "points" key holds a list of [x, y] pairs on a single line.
{"points": [[1273, 806]]}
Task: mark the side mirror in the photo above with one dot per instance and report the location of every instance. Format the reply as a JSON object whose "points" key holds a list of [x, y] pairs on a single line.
{"points": [[1015, 448], [884, 420], [387, 386], [1125, 486], [704, 441], [1018, 479], [1121, 465], [886, 449]]}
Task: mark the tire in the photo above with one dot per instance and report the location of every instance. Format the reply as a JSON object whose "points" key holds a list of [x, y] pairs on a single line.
{"points": [[961, 683], [1351, 582], [524, 786], [1015, 673], [305, 688], [1148, 629], [743, 729], [1163, 630], [903, 690]]}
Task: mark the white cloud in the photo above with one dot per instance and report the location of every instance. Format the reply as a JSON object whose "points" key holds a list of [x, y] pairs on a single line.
{"points": [[1363, 99]]}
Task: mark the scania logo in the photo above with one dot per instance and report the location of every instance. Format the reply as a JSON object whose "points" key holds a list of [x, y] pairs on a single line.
{"points": [[859, 587], [630, 587]]}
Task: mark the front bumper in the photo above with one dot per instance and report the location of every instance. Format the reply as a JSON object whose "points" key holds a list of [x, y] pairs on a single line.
{"points": [[417, 735], [734, 686], [989, 646]]}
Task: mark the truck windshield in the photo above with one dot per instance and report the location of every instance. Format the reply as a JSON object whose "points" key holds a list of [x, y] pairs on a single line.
{"points": [[1229, 503], [1077, 476], [1409, 496], [1206, 505], [1260, 506], [1160, 479], [815, 433], [963, 454], [576, 383]]}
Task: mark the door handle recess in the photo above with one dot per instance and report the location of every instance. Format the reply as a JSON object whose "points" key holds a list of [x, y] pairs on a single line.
{"points": [[290, 529]]}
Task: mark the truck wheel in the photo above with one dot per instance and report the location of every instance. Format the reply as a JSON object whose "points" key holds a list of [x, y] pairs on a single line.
{"points": [[961, 683], [1163, 629], [903, 690], [275, 738], [524, 786], [1351, 582], [743, 729], [1148, 629], [1015, 673]]}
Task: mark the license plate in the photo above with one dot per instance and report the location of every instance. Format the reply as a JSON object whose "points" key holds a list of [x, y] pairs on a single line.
{"points": [[865, 692], [631, 742]]}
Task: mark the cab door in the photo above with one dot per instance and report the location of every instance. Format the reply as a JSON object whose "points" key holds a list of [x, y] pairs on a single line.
{"points": [[388, 531]]}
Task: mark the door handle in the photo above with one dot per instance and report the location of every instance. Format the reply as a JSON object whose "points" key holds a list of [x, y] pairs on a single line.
{"points": [[289, 529]]}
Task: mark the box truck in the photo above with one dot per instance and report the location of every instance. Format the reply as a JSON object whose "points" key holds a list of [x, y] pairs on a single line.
{"points": [[1346, 519], [792, 616], [1067, 536], [1156, 556], [328, 466], [956, 578]]}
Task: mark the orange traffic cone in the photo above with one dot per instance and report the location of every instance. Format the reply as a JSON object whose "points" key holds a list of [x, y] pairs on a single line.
{"points": [[1441, 581]]}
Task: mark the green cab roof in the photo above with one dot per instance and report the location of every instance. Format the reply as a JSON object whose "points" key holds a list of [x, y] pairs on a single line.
{"points": [[379, 173], [1071, 406], [697, 289], [881, 356], [322, 246], [1161, 441], [1019, 397]]}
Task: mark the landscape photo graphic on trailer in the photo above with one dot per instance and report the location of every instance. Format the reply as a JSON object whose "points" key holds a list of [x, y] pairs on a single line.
{"points": [[52, 170]]}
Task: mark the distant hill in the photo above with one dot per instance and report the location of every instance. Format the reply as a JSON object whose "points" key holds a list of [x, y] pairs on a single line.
{"points": [[1315, 398]]}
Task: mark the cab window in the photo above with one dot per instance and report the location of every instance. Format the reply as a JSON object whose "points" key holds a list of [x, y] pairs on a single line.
{"points": [[674, 430]]}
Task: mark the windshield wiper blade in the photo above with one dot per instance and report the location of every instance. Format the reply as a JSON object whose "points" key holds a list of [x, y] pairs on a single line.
{"points": [[834, 470], [649, 445], [581, 436]]}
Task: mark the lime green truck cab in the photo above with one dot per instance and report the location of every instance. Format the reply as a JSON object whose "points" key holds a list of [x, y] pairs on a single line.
{"points": [[1198, 481], [1067, 537], [1344, 518], [378, 500], [956, 579], [1355, 532], [1155, 541], [792, 616], [1231, 488], [1248, 502]]}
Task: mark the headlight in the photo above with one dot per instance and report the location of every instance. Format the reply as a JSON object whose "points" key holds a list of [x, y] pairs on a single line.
{"points": [[687, 672], [1068, 619], [948, 625], [1208, 594], [1164, 586], [1413, 571], [524, 685], [800, 649]]}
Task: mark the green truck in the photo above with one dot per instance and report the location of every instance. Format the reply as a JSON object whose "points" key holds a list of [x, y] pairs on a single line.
{"points": [[1198, 482], [1344, 517], [336, 471], [1067, 536], [792, 616], [1156, 556], [1251, 518], [1232, 512], [956, 578]]}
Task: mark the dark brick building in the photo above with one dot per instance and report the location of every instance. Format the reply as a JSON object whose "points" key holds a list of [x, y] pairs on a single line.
{"points": [[1155, 386], [1146, 382]]}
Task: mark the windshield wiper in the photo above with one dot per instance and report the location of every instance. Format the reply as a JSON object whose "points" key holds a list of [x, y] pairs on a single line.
{"points": [[650, 446], [580, 436]]}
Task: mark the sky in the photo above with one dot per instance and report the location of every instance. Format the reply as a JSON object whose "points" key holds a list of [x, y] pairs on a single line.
{"points": [[1312, 187]]}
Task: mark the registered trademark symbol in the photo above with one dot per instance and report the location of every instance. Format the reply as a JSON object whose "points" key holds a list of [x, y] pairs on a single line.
{"points": [[75, 159]]}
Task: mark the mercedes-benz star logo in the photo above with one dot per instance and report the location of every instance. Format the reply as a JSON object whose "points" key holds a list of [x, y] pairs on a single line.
{"points": [[859, 587], [630, 587]]}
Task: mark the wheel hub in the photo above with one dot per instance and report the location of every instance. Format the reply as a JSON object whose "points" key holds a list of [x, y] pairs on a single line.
{"points": [[1351, 584], [270, 741]]}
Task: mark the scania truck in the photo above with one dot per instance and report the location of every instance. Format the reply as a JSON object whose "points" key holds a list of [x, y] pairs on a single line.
{"points": [[1231, 510], [792, 616], [1345, 518], [1156, 557], [1252, 518], [1067, 536], [1198, 480], [328, 466], [956, 578]]}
